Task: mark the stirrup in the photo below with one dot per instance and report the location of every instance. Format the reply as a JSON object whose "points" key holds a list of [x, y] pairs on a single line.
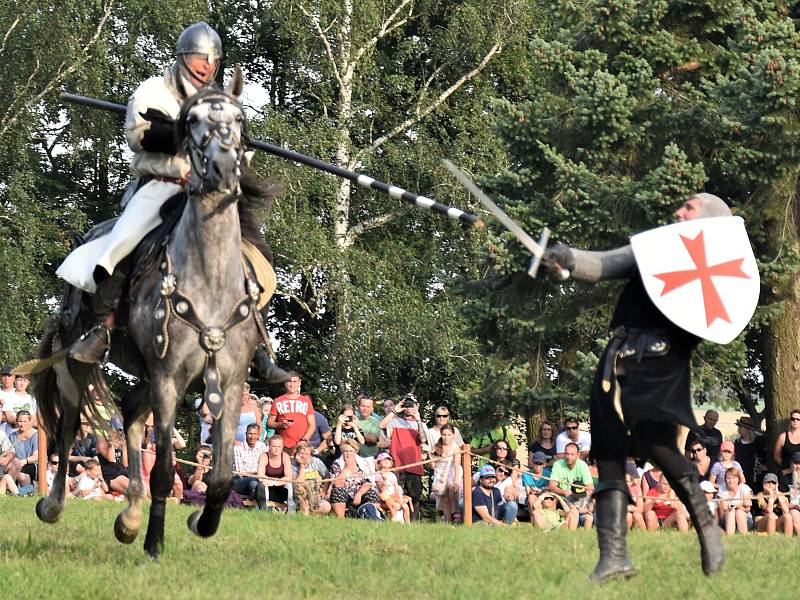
{"points": [[82, 350]]}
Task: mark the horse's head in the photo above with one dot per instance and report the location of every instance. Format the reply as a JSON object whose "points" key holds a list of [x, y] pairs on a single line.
{"points": [[212, 129]]}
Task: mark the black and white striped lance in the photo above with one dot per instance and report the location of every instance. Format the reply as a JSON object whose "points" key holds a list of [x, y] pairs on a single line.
{"points": [[363, 180]]}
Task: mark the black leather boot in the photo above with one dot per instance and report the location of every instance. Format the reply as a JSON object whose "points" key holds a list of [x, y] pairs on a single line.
{"points": [[93, 346], [712, 553], [268, 371], [611, 509]]}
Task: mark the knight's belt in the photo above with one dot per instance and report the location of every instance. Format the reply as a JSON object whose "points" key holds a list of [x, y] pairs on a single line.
{"points": [[635, 343]]}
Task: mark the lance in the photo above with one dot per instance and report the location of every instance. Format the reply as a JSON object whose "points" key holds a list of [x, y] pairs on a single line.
{"points": [[363, 180]]}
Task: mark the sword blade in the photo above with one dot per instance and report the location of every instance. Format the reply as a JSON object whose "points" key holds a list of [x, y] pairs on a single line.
{"points": [[507, 221]]}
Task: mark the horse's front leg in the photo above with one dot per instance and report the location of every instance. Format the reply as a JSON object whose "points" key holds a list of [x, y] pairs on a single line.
{"points": [[49, 509], [205, 522], [135, 409], [163, 402]]}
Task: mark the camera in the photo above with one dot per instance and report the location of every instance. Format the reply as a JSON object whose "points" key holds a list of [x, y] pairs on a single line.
{"points": [[205, 455], [348, 419], [408, 403]]}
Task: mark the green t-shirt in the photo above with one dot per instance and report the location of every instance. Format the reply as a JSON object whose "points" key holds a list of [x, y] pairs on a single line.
{"points": [[369, 425], [561, 472]]}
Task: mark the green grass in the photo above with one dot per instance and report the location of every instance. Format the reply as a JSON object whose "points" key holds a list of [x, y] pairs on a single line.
{"points": [[257, 555]]}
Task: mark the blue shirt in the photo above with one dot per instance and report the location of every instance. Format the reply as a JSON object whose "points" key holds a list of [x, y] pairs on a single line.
{"points": [[322, 427], [530, 480]]}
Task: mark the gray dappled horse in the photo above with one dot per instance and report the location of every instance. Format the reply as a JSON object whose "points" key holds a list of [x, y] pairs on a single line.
{"points": [[192, 321]]}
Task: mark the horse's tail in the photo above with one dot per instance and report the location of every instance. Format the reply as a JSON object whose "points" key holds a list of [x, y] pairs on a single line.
{"points": [[45, 383]]}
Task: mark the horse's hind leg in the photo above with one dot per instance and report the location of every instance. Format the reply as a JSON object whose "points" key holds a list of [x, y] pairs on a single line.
{"points": [[163, 474], [135, 409], [206, 521], [49, 509]]}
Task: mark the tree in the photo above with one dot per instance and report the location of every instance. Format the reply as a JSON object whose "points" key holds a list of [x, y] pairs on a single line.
{"points": [[638, 105]]}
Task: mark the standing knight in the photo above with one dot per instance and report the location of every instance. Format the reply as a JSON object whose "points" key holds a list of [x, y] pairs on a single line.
{"points": [[639, 398]]}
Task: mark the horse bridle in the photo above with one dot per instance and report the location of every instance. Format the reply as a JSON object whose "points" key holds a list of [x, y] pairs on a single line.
{"points": [[217, 128]]}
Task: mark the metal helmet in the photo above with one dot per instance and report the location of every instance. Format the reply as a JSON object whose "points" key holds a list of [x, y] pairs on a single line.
{"points": [[200, 39]]}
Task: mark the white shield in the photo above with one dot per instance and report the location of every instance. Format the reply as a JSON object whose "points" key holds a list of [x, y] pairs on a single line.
{"points": [[701, 274]]}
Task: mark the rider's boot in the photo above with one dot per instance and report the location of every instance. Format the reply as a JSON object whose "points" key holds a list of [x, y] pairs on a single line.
{"points": [[712, 553], [611, 502], [92, 347], [268, 371]]}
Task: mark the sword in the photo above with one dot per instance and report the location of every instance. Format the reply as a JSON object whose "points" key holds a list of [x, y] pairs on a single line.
{"points": [[534, 247]]}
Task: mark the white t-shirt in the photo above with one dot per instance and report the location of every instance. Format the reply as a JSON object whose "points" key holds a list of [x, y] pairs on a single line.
{"points": [[86, 483], [14, 403], [584, 441], [736, 499]]}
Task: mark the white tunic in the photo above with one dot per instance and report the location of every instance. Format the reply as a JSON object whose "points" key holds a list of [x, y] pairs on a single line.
{"points": [[141, 214]]}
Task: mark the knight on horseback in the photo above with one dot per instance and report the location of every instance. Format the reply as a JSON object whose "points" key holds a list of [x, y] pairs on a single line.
{"points": [[160, 168]]}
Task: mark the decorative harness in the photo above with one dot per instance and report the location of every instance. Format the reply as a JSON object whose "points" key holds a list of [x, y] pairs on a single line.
{"points": [[172, 303]]}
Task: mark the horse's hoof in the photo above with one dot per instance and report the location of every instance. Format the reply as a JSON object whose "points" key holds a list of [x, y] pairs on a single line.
{"points": [[48, 516], [152, 550], [192, 521], [122, 533]]}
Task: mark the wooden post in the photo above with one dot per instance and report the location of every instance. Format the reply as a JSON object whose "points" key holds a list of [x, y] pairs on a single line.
{"points": [[466, 465], [42, 440]]}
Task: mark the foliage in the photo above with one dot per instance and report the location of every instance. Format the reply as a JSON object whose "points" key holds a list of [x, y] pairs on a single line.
{"points": [[636, 106]]}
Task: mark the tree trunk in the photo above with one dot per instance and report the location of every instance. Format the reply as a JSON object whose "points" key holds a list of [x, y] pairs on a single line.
{"points": [[782, 364]]}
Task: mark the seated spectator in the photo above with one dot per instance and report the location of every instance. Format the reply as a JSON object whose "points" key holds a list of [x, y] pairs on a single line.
{"points": [[112, 454], [708, 434], [205, 420], [662, 508], [394, 501], [84, 448], [726, 461], [24, 467], [308, 470], [573, 434], [246, 458], [751, 452], [346, 428], [771, 508], [549, 511], [794, 492], [19, 400], [537, 480], [448, 476], [322, 438], [197, 487], [91, 485], [650, 479], [276, 466], [735, 502], [353, 492], [7, 485], [571, 479], [509, 493], [545, 443], [710, 492], [700, 459], [482, 443], [7, 454], [502, 453], [486, 498], [635, 516]]}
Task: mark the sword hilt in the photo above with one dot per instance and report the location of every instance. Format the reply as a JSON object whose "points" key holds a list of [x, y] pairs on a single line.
{"points": [[533, 268]]}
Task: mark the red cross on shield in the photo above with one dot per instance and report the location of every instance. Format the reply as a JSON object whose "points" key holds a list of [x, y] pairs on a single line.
{"points": [[701, 274]]}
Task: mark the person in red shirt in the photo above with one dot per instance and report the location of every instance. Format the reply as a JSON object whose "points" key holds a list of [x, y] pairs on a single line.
{"points": [[292, 414], [662, 508]]}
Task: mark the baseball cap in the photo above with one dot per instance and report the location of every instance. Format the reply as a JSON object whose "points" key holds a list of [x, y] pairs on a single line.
{"points": [[770, 477], [488, 471], [6, 370], [707, 486], [539, 457], [383, 455], [726, 445]]}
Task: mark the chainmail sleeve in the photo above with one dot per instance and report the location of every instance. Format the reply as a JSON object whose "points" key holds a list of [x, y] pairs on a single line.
{"points": [[611, 264]]}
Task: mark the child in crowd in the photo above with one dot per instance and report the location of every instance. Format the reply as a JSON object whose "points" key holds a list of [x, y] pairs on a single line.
{"points": [[91, 486], [7, 485], [390, 491]]}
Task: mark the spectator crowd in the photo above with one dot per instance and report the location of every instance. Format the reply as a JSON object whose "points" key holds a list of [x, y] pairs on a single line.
{"points": [[289, 457]]}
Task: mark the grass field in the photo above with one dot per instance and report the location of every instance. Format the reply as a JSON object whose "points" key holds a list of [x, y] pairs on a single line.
{"points": [[259, 555]]}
